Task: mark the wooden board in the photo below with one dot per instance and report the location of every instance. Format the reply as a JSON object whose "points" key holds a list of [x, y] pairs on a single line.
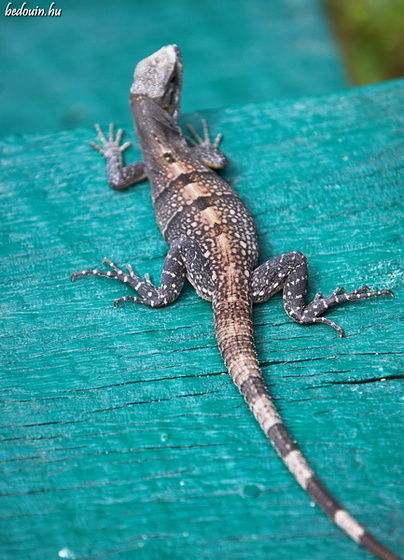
{"points": [[121, 437]]}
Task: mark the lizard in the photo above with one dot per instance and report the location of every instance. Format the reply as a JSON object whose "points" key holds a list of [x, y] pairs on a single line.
{"points": [[213, 243]]}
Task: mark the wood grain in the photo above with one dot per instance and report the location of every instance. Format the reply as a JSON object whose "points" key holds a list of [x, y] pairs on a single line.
{"points": [[121, 438]]}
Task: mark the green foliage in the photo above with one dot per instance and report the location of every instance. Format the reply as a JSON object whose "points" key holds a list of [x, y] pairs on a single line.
{"points": [[371, 37]]}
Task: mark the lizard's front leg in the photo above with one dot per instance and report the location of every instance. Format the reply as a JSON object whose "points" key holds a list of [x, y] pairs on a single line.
{"points": [[119, 177], [289, 272], [205, 150], [184, 257]]}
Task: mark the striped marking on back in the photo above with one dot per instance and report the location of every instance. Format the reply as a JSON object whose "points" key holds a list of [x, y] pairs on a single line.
{"points": [[193, 191]]}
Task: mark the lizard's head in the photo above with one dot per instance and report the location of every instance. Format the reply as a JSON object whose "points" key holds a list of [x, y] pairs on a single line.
{"points": [[159, 77]]}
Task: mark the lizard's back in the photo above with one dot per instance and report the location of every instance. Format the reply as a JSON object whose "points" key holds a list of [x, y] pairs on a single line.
{"points": [[213, 242], [190, 200]]}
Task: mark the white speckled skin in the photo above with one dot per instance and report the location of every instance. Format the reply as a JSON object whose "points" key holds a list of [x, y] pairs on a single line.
{"points": [[213, 243]]}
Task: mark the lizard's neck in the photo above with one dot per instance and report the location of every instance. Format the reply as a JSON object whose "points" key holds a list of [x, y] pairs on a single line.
{"points": [[156, 129]]}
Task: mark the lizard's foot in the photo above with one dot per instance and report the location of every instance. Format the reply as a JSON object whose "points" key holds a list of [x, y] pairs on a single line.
{"points": [[206, 151], [172, 277], [111, 143], [119, 176], [289, 273], [320, 304], [149, 293]]}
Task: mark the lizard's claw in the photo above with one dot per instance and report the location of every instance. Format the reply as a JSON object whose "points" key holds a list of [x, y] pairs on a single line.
{"points": [[205, 141], [112, 142], [207, 151]]}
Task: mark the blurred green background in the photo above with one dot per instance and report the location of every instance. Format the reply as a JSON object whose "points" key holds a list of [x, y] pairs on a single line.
{"points": [[74, 70], [371, 35]]}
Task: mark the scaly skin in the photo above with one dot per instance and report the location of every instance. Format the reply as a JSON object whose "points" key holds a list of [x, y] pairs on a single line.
{"points": [[213, 243]]}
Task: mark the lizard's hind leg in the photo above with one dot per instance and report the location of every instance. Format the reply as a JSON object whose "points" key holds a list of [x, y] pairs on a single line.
{"points": [[289, 272], [172, 280], [180, 260]]}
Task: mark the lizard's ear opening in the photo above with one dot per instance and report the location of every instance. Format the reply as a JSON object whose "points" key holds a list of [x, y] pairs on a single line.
{"points": [[172, 95]]}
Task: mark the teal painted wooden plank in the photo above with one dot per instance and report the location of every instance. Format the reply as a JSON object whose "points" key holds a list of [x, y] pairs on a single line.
{"points": [[121, 438], [69, 71]]}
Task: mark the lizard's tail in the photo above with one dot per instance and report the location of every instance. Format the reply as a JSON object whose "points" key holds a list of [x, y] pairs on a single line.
{"points": [[234, 332]]}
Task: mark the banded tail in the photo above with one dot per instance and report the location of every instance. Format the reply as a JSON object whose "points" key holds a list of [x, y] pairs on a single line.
{"points": [[234, 332]]}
